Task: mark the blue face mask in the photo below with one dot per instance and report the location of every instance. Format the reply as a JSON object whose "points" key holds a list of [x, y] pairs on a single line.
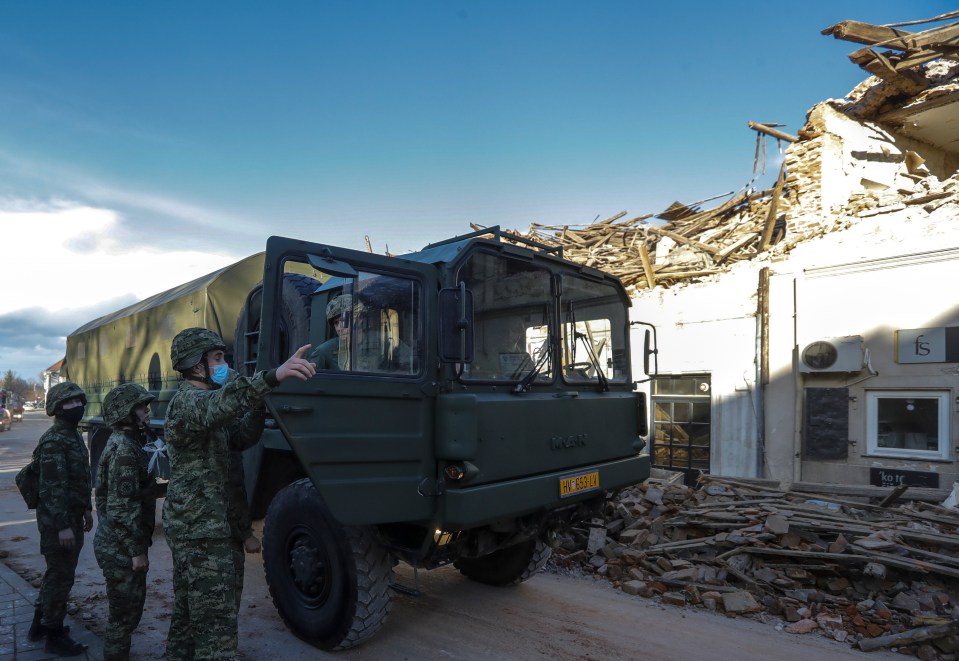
{"points": [[220, 374]]}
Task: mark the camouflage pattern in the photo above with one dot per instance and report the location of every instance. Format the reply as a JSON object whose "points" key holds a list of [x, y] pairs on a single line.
{"points": [[339, 305], [61, 393], [126, 595], [120, 402], [64, 499], [204, 609], [126, 511], [191, 344], [244, 433], [202, 427]]}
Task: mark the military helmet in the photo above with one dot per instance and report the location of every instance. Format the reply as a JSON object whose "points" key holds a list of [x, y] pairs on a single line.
{"points": [[191, 344], [339, 305], [119, 402], [62, 392]]}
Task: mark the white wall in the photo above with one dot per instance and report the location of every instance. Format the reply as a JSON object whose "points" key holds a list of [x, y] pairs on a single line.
{"points": [[819, 290]]}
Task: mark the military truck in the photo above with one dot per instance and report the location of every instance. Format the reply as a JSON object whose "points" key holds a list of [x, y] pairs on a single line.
{"points": [[482, 397]]}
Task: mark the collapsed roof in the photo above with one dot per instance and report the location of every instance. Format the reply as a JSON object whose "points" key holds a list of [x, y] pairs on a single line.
{"points": [[891, 145]]}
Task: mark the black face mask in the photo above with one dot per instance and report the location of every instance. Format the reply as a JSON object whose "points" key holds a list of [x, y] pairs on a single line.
{"points": [[71, 416]]}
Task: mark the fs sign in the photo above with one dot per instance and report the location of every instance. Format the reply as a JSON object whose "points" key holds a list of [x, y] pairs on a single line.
{"points": [[928, 345]]}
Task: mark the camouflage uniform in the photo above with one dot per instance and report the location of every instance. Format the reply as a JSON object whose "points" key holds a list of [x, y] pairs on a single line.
{"points": [[126, 510], [196, 513], [243, 434], [64, 499], [334, 354]]}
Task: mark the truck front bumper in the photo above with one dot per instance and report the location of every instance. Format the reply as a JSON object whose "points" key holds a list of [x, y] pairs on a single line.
{"points": [[470, 507]]}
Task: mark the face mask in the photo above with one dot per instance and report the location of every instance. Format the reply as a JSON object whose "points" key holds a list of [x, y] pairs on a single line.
{"points": [[71, 416], [220, 375]]}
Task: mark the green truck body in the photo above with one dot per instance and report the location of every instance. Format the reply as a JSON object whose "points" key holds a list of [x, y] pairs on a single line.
{"points": [[483, 398]]}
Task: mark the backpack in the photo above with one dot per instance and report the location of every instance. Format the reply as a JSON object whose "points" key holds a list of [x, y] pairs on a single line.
{"points": [[28, 482]]}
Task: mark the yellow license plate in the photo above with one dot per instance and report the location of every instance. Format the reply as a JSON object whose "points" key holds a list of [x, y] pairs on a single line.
{"points": [[578, 483]]}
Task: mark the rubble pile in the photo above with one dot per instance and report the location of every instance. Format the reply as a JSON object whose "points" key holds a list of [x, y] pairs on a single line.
{"points": [[871, 575], [899, 111], [693, 243]]}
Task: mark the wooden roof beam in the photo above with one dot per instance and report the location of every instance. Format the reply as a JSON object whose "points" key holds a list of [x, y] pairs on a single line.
{"points": [[877, 35]]}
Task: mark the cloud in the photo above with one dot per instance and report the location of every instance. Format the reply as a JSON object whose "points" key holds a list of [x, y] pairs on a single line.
{"points": [[96, 193], [62, 256], [65, 266]]}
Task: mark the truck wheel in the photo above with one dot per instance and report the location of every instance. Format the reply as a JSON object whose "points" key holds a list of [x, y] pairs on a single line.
{"points": [[508, 566], [329, 582]]}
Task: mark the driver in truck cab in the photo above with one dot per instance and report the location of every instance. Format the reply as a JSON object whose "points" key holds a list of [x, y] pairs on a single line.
{"points": [[334, 354]]}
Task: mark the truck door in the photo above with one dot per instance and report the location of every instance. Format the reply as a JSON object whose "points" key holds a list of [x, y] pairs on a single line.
{"points": [[361, 428]]}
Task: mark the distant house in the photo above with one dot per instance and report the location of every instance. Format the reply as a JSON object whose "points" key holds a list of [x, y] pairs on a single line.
{"points": [[51, 376]]}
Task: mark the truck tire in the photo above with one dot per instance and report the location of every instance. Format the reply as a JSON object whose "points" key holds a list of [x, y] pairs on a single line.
{"points": [[509, 566], [329, 582], [294, 325]]}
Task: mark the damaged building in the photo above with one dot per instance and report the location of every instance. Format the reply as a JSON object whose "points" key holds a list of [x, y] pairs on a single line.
{"points": [[809, 332]]}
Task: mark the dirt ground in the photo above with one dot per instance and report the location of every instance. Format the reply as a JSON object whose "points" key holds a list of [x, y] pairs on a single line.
{"points": [[552, 615]]}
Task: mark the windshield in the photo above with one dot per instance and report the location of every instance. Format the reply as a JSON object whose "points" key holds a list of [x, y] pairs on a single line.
{"points": [[513, 305], [593, 332]]}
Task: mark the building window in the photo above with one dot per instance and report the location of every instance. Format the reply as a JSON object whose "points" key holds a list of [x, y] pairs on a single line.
{"points": [[912, 424]]}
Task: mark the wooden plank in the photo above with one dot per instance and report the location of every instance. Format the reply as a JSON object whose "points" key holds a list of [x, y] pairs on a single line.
{"points": [[679, 238], [782, 135], [773, 209], [909, 637], [866, 33], [728, 250], [827, 490], [877, 35], [647, 266]]}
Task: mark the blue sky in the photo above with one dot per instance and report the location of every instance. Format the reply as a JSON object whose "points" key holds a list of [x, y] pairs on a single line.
{"points": [[172, 138]]}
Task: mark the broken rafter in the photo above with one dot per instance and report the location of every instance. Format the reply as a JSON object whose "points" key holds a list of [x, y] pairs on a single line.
{"points": [[773, 209], [886, 37], [769, 130], [679, 238]]}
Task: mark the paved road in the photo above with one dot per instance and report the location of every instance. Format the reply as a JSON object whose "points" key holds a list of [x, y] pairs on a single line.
{"points": [[550, 616]]}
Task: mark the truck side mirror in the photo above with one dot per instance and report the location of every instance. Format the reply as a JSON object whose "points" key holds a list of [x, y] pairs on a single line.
{"points": [[325, 262], [650, 351], [456, 324]]}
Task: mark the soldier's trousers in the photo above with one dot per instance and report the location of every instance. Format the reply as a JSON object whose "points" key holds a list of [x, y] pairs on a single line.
{"points": [[126, 593], [203, 625], [57, 583]]}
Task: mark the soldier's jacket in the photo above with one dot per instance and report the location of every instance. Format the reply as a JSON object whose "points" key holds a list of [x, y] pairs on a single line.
{"points": [[125, 497], [64, 478], [197, 432]]}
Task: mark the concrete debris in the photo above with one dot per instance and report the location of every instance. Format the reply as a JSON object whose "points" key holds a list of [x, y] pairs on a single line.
{"points": [[868, 575]]}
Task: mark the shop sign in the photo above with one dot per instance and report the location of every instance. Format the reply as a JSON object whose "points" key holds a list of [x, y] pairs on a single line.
{"points": [[927, 345]]}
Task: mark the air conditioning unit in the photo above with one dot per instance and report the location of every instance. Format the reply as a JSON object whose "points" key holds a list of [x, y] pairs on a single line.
{"points": [[836, 354]]}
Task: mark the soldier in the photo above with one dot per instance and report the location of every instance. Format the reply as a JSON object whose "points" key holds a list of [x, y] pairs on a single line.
{"points": [[64, 513], [334, 354], [126, 511], [195, 516]]}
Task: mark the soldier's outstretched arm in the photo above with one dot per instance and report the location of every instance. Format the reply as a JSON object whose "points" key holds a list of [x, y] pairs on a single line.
{"points": [[296, 366]]}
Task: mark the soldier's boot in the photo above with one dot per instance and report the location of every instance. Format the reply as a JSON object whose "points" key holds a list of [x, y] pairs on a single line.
{"points": [[37, 630], [59, 643]]}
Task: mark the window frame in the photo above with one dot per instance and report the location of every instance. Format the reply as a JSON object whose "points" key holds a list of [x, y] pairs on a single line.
{"points": [[872, 424]]}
